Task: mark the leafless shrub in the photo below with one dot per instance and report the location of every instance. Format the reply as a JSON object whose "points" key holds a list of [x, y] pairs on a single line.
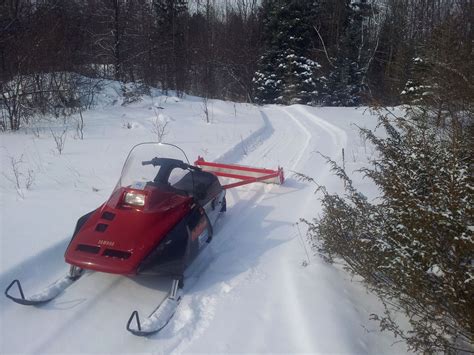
{"points": [[30, 179], [80, 126], [15, 168], [16, 102], [24, 97], [87, 88], [159, 127], [36, 131], [60, 139], [16, 176]]}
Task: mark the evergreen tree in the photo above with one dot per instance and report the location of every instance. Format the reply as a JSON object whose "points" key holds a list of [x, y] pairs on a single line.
{"points": [[286, 74], [346, 82], [415, 87]]}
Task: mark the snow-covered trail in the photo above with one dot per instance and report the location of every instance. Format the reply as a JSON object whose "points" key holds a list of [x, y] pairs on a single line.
{"points": [[247, 292], [253, 226], [267, 283]]}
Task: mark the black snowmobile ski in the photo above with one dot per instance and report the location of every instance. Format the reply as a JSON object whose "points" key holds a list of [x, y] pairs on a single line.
{"points": [[49, 293], [160, 317]]}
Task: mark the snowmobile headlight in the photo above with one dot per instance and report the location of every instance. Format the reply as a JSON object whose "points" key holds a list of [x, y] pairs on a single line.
{"points": [[134, 199]]}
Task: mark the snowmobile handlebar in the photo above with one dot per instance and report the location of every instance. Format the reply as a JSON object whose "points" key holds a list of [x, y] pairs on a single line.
{"points": [[150, 162], [170, 162]]}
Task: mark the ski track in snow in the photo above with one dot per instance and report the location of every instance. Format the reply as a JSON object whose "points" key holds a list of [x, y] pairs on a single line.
{"points": [[249, 144], [231, 286], [309, 125]]}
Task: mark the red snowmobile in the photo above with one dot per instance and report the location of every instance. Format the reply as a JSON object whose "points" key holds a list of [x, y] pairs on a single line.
{"points": [[159, 217]]}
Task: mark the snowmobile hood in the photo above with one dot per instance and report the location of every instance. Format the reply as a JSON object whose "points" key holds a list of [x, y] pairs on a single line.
{"points": [[119, 235]]}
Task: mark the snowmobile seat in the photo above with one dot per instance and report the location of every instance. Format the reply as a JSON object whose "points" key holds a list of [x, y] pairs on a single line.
{"points": [[200, 184]]}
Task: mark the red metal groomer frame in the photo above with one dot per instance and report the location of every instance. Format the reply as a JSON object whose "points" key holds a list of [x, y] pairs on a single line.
{"points": [[246, 174]]}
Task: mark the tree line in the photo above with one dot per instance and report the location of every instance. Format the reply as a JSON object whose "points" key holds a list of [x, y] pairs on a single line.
{"points": [[323, 52]]}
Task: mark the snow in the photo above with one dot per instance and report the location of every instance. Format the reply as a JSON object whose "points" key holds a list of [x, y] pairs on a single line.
{"points": [[252, 290], [436, 271]]}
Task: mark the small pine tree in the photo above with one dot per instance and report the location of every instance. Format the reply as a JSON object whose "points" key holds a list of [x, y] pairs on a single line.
{"points": [[416, 88]]}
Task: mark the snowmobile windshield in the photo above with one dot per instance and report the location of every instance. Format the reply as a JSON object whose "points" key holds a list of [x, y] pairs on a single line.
{"points": [[156, 164]]}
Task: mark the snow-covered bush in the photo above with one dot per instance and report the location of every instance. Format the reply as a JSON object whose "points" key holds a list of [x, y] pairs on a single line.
{"points": [[415, 245]]}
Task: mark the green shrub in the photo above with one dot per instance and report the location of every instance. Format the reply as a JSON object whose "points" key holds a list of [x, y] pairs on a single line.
{"points": [[415, 246]]}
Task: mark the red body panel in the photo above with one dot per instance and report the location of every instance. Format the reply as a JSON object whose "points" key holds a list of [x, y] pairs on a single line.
{"points": [[117, 237]]}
